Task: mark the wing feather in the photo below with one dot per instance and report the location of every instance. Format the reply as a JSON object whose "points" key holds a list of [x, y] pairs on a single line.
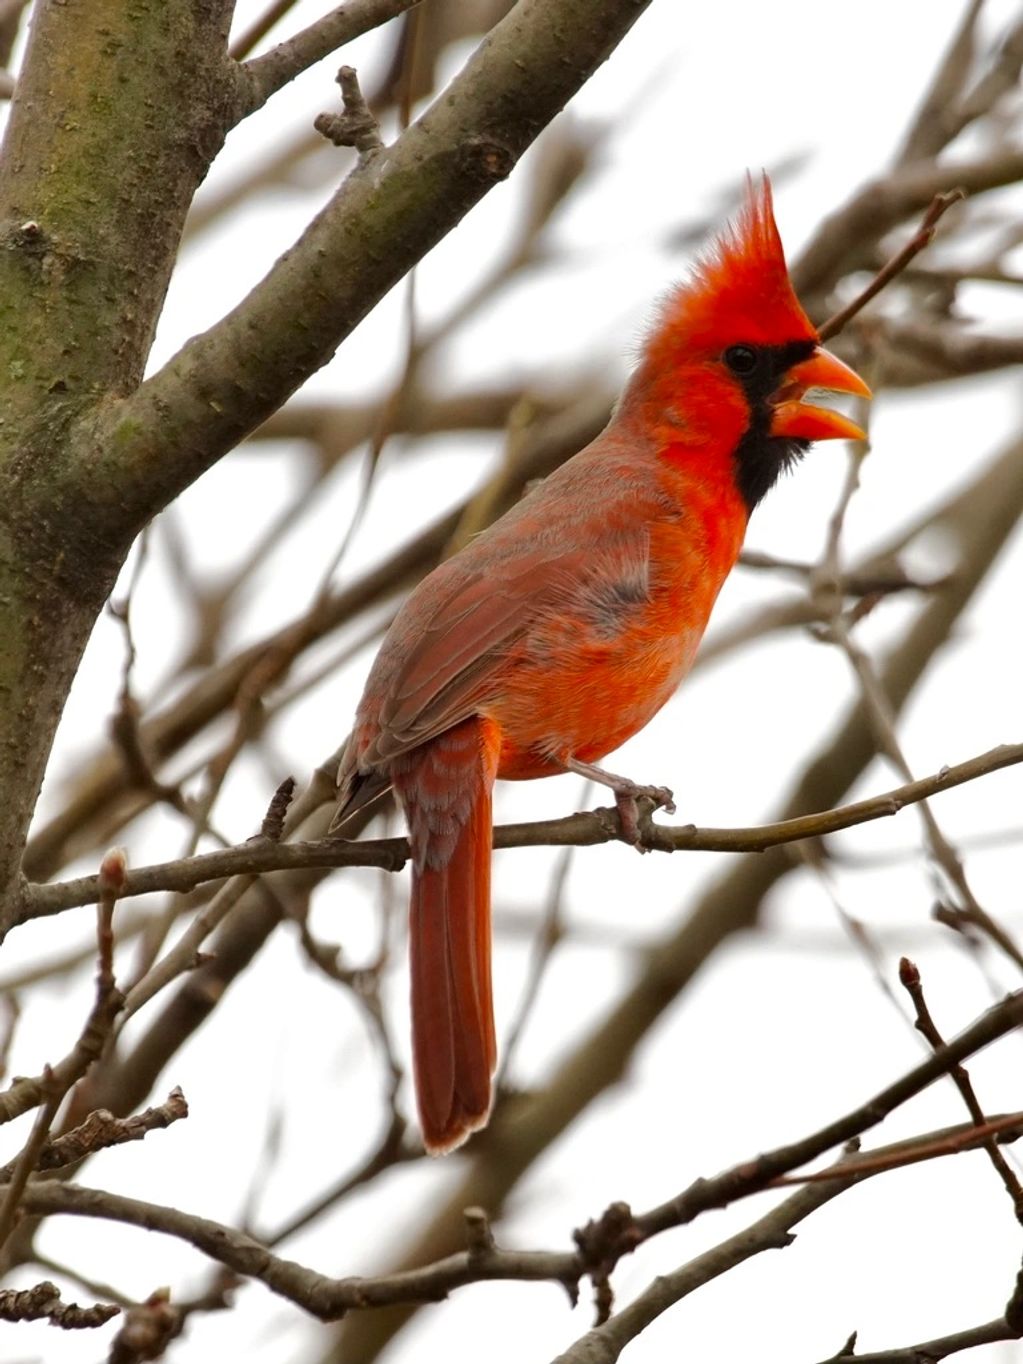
{"points": [[440, 661], [446, 676]]}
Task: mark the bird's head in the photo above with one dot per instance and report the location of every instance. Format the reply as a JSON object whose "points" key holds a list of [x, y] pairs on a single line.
{"points": [[732, 356]]}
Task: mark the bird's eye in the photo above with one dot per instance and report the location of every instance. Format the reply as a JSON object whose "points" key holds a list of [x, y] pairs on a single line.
{"points": [[741, 359]]}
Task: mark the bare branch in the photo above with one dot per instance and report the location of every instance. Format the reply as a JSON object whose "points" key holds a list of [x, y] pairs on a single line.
{"points": [[921, 239], [483, 1260], [987, 1135], [604, 1344], [101, 1130], [931, 1351], [55, 1081], [259, 28], [44, 1301], [263, 76], [926, 135], [759, 1172], [839, 241], [325, 1298], [909, 975], [923, 352], [949, 107], [385, 217], [580, 830]]}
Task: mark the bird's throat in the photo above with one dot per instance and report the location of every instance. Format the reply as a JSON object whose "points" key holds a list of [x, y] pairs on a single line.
{"points": [[760, 458]]}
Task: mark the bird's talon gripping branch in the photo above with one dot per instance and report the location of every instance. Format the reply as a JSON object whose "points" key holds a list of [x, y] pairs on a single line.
{"points": [[565, 626], [627, 800], [628, 819], [626, 793]]}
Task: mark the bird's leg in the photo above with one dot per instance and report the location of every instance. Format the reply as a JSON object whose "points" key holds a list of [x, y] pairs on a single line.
{"points": [[626, 793]]}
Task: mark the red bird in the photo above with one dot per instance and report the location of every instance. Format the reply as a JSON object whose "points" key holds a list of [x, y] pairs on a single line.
{"points": [[561, 630]]}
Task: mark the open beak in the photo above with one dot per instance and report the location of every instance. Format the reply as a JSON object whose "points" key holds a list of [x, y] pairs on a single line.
{"points": [[790, 416]]}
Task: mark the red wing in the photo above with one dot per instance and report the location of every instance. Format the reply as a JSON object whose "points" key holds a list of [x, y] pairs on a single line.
{"points": [[447, 672]]}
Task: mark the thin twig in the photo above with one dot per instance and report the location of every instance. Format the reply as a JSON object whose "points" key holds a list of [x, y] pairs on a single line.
{"points": [[757, 1173], [1006, 1127], [931, 1351], [922, 238], [101, 1130], [606, 1341], [328, 1298], [263, 76], [259, 28], [943, 855], [909, 975], [43, 1301], [53, 1085], [585, 829]]}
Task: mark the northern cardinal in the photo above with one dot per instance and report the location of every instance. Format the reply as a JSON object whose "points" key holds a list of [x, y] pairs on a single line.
{"points": [[556, 634]]}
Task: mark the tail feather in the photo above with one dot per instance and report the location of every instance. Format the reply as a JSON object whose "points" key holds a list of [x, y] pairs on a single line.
{"points": [[445, 788]]}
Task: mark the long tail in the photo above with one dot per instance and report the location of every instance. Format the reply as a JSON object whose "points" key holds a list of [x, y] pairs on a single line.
{"points": [[445, 789]]}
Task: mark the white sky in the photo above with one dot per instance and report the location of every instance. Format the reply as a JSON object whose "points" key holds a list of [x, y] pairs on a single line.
{"points": [[800, 1031]]}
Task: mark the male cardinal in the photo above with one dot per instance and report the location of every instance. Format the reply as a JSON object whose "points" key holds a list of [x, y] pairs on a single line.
{"points": [[555, 635]]}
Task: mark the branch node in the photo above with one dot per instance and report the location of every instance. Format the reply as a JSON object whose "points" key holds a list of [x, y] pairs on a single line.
{"points": [[355, 127], [272, 827], [148, 1329], [479, 1235], [602, 1243]]}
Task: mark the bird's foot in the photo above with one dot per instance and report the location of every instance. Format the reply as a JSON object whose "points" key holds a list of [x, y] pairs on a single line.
{"points": [[627, 802], [627, 794]]}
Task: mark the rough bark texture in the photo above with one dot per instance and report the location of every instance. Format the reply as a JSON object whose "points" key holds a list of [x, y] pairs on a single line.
{"points": [[100, 162]]}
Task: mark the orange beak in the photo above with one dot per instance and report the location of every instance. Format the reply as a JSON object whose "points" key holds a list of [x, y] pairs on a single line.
{"points": [[790, 416]]}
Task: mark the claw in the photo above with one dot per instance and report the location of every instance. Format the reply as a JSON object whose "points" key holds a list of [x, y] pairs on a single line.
{"points": [[627, 793], [628, 817], [662, 796], [626, 797]]}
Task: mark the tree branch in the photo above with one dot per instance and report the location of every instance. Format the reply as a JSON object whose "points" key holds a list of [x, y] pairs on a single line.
{"points": [[909, 975], [585, 829], [385, 217], [921, 239], [931, 1351], [753, 1175], [995, 1131], [839, 242], [922, 352], [43, 1300], [324, 1297], [329, 1298], [55, 1081], [101, 1130], [605, 1342], [263, 76]]}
